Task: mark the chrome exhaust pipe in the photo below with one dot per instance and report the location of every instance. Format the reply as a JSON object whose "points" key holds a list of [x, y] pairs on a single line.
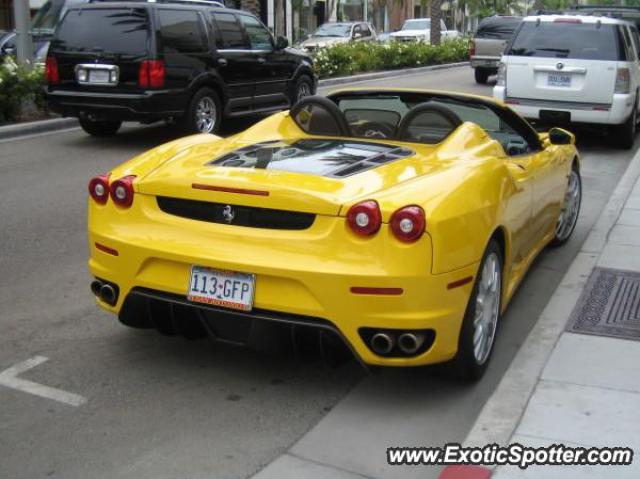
{"points": [[382, 343], [108, 294], [96, 286], [410, 343]]}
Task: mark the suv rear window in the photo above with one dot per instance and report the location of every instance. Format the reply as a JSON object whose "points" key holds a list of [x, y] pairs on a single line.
{"points": [[585, 41], [117, 30], [500, 28]]}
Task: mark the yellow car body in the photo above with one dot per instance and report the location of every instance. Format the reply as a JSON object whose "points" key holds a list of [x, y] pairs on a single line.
{"points": [[469, 188]]}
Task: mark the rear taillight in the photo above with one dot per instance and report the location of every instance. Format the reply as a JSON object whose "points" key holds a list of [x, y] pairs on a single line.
{"points": [[408, 223], [472, 48], [122, 191], [51, 74], [99, 189], [502, 75], [364, 218], [623, 81], [151, 74]]}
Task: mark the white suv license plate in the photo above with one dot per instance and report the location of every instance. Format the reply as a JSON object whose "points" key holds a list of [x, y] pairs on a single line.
{"points": [[559, 80], [221, 288]]}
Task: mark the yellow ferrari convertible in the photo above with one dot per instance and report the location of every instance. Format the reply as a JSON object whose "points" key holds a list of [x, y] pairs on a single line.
{"points": [[400, 222]]}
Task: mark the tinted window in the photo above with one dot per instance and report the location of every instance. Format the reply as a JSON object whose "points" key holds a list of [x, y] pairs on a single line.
{"points": [[230, 34], [365, 30], [586, 41], [259, 36], [501, 28], [181, 31], [636, 40], [108, 30]]}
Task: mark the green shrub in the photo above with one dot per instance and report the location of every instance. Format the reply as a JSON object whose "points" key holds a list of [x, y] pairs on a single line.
{"points": [[349, 58], [18, 86]]}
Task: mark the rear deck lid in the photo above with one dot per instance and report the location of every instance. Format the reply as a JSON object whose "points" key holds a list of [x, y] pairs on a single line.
{"points": [[564, 60], [306, 175]]}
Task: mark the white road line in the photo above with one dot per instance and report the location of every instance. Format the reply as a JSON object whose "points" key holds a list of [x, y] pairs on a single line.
{"points": [[8, 379]]}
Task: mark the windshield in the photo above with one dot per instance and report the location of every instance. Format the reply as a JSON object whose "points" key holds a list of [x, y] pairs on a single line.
{"points": [[586, 41], [333, 30], [424, 24], [121, 31]]}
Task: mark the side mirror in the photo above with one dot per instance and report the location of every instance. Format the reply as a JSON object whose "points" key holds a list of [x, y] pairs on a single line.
{"points": [[558, 136], [357, 35], [281, 43]]}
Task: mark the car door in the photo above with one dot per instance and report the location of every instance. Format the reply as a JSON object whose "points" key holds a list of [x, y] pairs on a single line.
{"points": [[182, 39], [634, 60], [274, 69], [234, 62]]}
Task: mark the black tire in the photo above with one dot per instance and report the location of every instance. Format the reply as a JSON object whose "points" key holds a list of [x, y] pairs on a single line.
{"points": [[204, 114], [563, 235], [99, 127], [302, 87], [481, 75], [625, 134], [465, 364]]}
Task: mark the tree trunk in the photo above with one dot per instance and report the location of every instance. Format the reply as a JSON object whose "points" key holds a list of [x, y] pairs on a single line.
{"points": [[436, 16], [279, 20]]}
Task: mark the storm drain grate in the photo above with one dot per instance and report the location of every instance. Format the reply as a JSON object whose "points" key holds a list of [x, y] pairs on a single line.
{"points": [[609, 305]]}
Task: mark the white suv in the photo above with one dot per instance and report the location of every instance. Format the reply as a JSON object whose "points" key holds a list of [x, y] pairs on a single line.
{"points": [[574, 68]]}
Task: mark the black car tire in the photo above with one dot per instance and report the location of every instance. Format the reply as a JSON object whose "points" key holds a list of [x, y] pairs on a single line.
{"points": [[99, 127], [625, 134], [481, 75], [302, 87], [465, 364], [203, 101]]}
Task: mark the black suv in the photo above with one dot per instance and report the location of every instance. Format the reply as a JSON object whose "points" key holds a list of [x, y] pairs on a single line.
{"points": [[192, 64]]}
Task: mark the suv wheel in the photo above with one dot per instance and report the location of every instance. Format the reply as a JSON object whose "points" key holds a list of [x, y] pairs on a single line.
{"points": [[481, 75], [303, 87], [204, 113], [625, 134], [99, 127]]}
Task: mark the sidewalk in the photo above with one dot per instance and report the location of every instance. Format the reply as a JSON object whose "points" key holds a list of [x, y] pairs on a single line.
{"points": [[588, 393]]}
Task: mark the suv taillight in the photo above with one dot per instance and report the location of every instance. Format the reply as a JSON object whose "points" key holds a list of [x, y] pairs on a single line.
{"points": [[502, 75], [472, 48], [623, 81], [51, 74], [151, 74]]}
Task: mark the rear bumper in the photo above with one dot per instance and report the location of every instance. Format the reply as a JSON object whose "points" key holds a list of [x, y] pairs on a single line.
{"points": [[485, 62], [613, 113], [306, 273], [146, 106]]}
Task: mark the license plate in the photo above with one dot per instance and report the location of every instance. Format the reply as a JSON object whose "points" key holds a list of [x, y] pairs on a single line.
{"points": [[98, 76], [221, 288], [559, 80]]}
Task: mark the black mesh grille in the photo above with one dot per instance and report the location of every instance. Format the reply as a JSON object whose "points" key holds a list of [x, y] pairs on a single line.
{"points": [[236, 215]]}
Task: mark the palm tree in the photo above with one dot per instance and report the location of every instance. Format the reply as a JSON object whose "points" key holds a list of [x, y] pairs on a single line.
{"points": [[436, 18]]}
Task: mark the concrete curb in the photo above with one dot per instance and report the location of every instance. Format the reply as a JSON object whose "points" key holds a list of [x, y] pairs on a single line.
{"points": [[503, 411], [387, 74], [34, 127]]}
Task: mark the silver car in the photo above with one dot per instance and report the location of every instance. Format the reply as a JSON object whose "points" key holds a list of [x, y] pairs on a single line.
{"points": [[329, 34]]}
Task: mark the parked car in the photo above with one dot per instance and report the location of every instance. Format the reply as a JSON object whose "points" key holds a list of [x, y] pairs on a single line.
{"points": [[399, 222], [342, 32], [574, 69], [489, 42], [114, 62], [7, 44], [419, 29]]}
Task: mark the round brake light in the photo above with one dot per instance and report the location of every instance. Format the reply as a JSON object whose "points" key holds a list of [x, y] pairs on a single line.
{"points": [[99, 189], [408, 223], [364, 218], [122, 191]]}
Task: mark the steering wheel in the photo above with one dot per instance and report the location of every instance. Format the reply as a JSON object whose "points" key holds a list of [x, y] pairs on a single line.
{"points": [[373, 129]]}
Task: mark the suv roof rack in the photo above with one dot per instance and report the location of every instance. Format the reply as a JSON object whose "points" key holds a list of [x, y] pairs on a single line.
{"points": [[210, 3]]}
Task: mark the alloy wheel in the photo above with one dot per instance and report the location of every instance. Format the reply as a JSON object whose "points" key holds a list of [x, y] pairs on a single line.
{"points": [[487, 308], [303, 90], [206, 115], [569, 214]]}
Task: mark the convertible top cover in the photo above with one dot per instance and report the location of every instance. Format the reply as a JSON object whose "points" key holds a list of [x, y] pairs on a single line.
{"points": [[322, 157]]}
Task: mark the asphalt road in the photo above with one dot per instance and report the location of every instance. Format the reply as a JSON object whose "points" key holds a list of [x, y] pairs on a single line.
{"points": [[159, 407]]}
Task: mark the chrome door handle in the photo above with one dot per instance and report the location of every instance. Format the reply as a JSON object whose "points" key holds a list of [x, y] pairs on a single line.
{"points": [[222, 62], [261, 61]]}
